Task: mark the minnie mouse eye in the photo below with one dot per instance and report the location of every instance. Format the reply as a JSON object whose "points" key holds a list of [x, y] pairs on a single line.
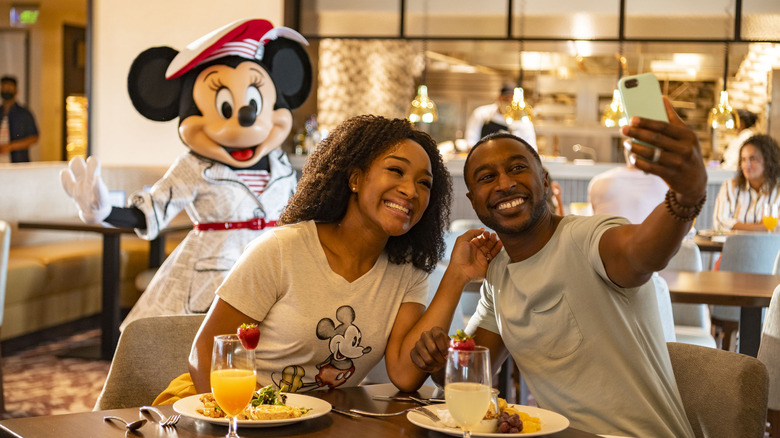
{"points": [[254, 99], [224, 103]]}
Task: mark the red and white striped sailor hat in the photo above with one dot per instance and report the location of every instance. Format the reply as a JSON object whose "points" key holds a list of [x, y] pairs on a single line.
{"points": [[245, 38]]}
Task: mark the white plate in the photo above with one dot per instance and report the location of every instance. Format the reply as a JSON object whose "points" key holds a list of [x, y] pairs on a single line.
{"points": [[551, 422], [188, 407]]}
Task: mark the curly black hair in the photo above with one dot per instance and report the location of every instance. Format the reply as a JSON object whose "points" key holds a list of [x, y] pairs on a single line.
{"points": [[323, 191], [771, 154]]}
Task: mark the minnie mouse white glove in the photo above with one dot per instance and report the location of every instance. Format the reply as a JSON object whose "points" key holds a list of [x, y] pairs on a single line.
{"points": [[82, 182]]}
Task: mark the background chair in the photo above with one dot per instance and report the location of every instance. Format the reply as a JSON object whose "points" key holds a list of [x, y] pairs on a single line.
{"points": [[692, 322], [5, 244], [769, 354], [664, 307], [151, 352], [743, 252], [724, 393]]}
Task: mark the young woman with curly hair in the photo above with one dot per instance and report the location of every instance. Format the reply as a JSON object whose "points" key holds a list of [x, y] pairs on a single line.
{"points": [[344, 282], [740, 202]]}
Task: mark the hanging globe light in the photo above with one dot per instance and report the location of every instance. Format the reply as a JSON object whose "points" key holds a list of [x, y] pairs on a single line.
{"points": [[422, 108], [614, 114], [722, 115], [518, 110]]}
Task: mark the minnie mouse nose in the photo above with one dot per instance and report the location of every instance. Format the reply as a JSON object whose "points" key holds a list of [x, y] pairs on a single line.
{"points": [[247, 116]]}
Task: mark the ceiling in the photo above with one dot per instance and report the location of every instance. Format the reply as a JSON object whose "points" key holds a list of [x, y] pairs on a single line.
{"points": [[581, 38], [471, 35]]}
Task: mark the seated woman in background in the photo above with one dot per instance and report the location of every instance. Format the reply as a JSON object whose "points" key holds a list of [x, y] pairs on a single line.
{"points": [[344, 282], [740, 202]]}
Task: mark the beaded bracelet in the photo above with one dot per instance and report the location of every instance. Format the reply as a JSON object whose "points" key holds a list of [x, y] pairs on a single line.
{"points": [[689, 213]]}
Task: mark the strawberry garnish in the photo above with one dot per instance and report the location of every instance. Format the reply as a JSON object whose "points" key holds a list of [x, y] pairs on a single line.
{"points": [[249, 334], [461, 341]]}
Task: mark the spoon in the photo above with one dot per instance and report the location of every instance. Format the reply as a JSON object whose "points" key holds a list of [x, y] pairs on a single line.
{"points": [[132, 426]]}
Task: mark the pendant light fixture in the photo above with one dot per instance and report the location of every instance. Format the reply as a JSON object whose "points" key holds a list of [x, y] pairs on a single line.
{"points": [[518, 110], [722, 115], [423, 109], [614, 114]]}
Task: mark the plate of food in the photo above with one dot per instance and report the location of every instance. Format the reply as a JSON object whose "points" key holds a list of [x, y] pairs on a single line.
{"points": [[713, 234], [269, 408], [536, 421]]}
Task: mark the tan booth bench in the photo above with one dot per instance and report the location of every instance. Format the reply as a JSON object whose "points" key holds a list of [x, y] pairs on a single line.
{"points": [[54, 277]]}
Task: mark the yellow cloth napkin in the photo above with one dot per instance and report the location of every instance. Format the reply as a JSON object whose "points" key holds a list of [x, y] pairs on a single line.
{"points": [[179, 388]]}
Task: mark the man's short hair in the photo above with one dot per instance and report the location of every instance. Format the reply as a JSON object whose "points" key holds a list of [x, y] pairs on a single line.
{"points": [[7, 78], [507, 89], [495, 135], [746, 118]]}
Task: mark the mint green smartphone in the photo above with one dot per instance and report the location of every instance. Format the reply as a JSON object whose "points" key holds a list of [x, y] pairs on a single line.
{"points": [[642, 97]]}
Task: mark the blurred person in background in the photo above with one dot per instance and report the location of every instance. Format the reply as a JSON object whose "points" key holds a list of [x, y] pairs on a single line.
{"points": [[487, 119], [747, 124], [626, 191], [18, 130], [740, 201]]}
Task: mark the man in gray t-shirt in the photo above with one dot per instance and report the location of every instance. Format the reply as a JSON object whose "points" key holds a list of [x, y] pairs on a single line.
{"points": [[570, 298]]}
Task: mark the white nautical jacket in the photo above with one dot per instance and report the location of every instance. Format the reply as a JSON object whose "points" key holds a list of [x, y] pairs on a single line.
{"points": [[209, 192]]}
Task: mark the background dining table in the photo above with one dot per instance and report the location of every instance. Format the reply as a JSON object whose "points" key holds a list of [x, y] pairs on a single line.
{"points": [[707, 243], [331, 425], [751, 292], [110, 316]]}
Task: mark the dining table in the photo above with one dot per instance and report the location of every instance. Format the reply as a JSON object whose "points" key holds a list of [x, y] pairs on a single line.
{"points": [[110, 316], [709, 243], [750, 292], [332, 424]]}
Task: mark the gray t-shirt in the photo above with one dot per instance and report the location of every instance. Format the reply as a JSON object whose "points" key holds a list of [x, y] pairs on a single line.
{"points": [[317, 329], [588, 349]]}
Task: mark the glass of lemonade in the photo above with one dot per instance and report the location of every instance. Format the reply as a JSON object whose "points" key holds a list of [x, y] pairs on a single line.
{"points": [[467, 386], [233, 378], [770, 217]]}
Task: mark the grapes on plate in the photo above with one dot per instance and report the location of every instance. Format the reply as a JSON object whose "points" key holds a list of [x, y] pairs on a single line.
{"points": [[509, 423]]}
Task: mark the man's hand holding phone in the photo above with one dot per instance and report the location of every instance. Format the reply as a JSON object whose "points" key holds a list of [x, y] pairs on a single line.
{"points": [[674, 153]]}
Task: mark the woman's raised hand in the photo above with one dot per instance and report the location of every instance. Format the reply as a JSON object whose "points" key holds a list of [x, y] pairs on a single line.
{"points": [[473, 251]]}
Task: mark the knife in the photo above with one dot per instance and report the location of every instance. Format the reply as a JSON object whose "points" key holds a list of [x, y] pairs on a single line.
{"points": [[343, 412], [407, 398]]}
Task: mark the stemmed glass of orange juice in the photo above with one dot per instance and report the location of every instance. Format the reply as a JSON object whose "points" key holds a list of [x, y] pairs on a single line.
{"points": [[770, 217], [233, 378]]}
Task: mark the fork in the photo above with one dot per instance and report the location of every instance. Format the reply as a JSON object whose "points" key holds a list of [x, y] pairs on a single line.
{"points": [[419, 409], [171, 421], [164, 422]]}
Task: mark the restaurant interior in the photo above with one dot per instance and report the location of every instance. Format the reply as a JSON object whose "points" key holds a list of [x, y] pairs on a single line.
{"points": [[71, 58]]}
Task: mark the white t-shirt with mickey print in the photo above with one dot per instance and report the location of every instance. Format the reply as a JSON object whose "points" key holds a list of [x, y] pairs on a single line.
{"points": [[317, 329]]}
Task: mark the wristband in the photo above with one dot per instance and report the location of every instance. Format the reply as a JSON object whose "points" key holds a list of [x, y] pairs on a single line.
{"points": [[682, 213]]}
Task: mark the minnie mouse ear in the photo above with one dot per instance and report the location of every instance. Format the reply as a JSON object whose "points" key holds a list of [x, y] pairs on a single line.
{"points": [[288, 64], [152, 95]]}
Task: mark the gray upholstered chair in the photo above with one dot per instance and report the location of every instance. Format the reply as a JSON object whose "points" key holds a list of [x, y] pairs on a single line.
{"points": [[664, 307], [151, 352], [692, 323], [724, 393], [743, 252], [5, 244], [769, 354]]}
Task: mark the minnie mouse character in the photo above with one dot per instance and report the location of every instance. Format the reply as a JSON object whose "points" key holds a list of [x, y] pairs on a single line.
{"points": [[232, 91]]}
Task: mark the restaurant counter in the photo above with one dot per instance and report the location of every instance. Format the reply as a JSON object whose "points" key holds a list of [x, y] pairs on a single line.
{"points": [[572, 177]]}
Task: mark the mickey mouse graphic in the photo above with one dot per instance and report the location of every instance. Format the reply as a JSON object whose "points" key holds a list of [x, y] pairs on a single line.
{"points": [[344, 343], [232, 90]]}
